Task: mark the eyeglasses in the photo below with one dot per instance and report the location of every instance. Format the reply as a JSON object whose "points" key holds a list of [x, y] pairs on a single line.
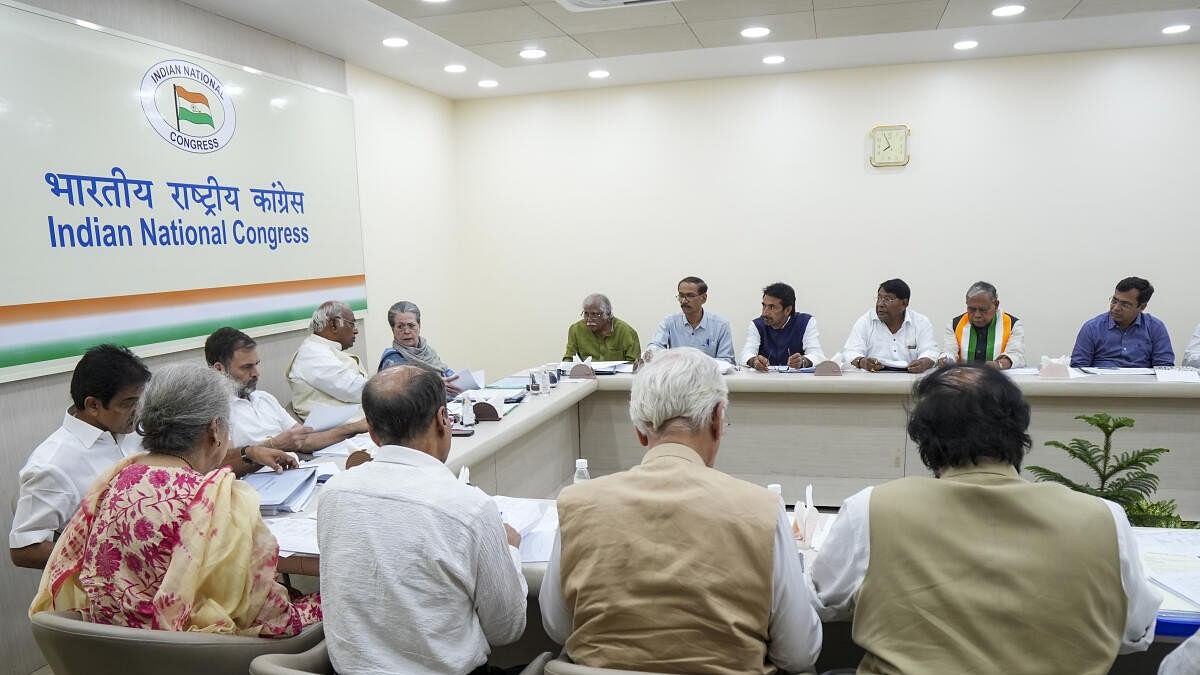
{"points": [[1123, 304], [978, 310], [592, 315], [885, 299], [406, 326], [687, 296], [344, 320]]}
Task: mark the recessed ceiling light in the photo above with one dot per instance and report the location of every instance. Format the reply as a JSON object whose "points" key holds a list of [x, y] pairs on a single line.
{"points": [[455, 68], [395, 42], [88, 24], [533, 53], [252, 71], [756, 32], [598, 74], [279, 103], [1177, 28], [1008, 10], [773, 60], [965, 44], [488, 84]]}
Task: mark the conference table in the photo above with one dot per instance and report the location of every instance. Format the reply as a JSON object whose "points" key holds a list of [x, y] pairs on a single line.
{"points": [[838, 433]]}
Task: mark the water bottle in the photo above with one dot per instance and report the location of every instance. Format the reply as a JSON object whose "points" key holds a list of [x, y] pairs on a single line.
{"points": [[581, 472], [535, 382], [468, 411], [544, 380]]}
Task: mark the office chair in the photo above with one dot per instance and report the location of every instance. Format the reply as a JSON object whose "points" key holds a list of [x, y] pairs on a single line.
{"points": [[73, 646]]}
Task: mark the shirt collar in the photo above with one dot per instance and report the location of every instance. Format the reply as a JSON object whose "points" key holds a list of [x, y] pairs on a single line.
{"points": [[876, 319], [674, 450], [399, 454], [325, 342], [703, 320], [86, 433], [1136, 322], [997, 468]]}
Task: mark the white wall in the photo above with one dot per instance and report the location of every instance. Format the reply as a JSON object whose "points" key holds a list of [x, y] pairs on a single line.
{"points": [[405, 144], [1050, 176]]}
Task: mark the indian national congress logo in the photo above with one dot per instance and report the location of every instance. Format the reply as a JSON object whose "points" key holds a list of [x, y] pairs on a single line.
{"points": [[187, 106]]}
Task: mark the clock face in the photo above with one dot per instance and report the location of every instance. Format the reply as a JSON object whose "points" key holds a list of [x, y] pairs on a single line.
{"points": [[889, 146]]}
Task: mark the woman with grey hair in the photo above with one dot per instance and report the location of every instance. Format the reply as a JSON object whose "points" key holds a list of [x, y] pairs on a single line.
{"points": [[169, 539], [409, 348]]}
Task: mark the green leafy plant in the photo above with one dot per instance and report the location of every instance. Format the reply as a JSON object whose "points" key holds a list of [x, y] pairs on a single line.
{"points": [[1122, 478]]}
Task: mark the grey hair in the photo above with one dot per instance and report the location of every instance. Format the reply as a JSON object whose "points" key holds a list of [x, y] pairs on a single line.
{"points": [[327, 312], [179, 403], [600, 299], [982, 287], [403, 307], [682, 385]]}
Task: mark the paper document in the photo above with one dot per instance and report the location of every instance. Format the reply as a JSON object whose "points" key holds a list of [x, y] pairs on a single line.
{"points": [[469, 379], [1118, 371], [344, 448], [326, 417], [325, 470], [1174, 375], [536, 520], [1021, 371], [510, 382], [783, 369], [892, 363], [1169, 540], [294, 535], [283, 492], [1185, 584]]}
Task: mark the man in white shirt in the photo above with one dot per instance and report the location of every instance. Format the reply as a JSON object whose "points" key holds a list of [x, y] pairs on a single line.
{"points": [[782, 336], [892, 336], [322, 372], [975, 569], [95, 434], [418, 573], [1191, 355], [258, 424], [673, 566]]}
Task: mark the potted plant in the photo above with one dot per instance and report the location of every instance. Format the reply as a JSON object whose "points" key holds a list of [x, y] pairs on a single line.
{"points": [[1121, 478]]}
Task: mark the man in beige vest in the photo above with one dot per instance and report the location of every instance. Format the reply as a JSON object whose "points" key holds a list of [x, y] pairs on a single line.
{"points": [[976, 570], [673, 566], [322, 372]]}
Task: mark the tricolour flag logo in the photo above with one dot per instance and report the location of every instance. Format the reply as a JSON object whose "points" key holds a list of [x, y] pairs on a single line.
{"points": [[192, 107]]}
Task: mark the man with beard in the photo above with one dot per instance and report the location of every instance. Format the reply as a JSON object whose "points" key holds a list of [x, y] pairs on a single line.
{"points": [[601, 335], [782, 336], [893, 336], [259, 427]]}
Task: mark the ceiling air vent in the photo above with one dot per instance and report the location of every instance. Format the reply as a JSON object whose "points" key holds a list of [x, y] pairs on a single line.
{"points": [[588, 5]]}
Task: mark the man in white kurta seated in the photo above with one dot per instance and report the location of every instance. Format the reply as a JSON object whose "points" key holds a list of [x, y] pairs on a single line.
{"points": [[322, 372], [975, 569], [983, 333], [674, 566], [892, 336], [258, 425], [95, 434]]}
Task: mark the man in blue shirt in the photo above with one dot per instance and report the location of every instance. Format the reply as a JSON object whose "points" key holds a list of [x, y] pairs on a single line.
{"points": [[1125, 337], [693, 327]]}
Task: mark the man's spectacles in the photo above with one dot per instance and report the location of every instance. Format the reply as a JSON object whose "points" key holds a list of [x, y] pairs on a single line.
{"points": [[406, 326], [1123, 304], [592, 315], [978, 310], [885, 299], [687, 296]]}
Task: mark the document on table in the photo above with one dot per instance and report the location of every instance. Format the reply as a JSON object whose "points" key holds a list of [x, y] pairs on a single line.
{"points": [[469, 379], [344, 448], [1021, 371], [285, 492], [536, 520], [326, 417], [1118, 371], [1176, 375], [780, 369], [294, 535], [1169, 540]]}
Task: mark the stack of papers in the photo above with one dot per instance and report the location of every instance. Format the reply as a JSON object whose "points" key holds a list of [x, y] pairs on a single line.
{"points": [[344, 448], [295, 535], [286, 492], [326, 417], [1171, 558], [536, 520], [1118, 371]]}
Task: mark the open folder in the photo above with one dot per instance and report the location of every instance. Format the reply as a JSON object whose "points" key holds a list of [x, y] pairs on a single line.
{"points": [[285, 492]]}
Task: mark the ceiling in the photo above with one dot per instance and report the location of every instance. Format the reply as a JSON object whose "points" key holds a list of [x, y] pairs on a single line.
{"points": [[688, 39]]}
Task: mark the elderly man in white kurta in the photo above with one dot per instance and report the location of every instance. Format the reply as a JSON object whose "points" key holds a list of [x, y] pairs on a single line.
{"points": [[322, 372]]}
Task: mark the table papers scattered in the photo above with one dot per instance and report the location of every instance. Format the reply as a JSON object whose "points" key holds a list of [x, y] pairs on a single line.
{"points": [[1118, 371], [536, 520], [295, 535], [344, 448], [326, 417], [285, 492], [1176, 375]]}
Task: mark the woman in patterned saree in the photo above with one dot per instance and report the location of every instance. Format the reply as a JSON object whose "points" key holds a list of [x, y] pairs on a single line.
{"points": [[169, 539]]}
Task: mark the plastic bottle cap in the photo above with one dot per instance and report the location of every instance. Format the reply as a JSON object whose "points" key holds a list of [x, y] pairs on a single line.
{"points": [[581, 464], [776, 488]]}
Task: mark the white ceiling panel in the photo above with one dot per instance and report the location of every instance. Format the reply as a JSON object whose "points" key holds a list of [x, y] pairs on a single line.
{"points": [[727, 32], [490, 26], [963, 13], [508, 54], [895, 18], [695, 11], [411, 9], [843, 4], [574, 23], [1088, 8], [640, 40]]}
